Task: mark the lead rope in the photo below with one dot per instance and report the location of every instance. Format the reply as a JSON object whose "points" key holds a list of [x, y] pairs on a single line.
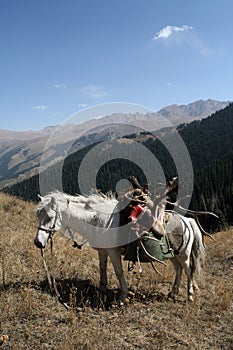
{"points": [[51, 279]]}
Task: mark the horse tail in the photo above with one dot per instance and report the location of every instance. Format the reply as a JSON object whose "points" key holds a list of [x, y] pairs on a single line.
{"points": [[198, 249]]}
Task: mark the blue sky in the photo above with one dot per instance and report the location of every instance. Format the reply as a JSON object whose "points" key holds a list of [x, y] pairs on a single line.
{"points": [[59, 56]]}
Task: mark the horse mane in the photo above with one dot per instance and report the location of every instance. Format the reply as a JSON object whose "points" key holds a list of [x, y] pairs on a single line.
{"points": [[92, 198]]}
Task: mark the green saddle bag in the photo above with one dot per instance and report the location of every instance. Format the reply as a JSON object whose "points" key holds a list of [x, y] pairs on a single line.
{"points": [[147, 248]]}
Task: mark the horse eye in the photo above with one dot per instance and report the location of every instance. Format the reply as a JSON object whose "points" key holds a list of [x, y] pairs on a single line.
{"points": [[47, 219]]}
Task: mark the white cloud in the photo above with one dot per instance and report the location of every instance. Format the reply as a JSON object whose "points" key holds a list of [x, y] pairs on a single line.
{"points": [[94, 92], [59, 85], [41, 107], [83, 105], [192, 39], [167, 31]]}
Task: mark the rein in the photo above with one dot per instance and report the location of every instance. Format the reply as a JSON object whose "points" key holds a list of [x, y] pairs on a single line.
{"points": [[51, 279]]}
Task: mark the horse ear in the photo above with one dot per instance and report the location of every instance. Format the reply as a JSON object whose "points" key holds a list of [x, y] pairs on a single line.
{"points": [[39, 196]]}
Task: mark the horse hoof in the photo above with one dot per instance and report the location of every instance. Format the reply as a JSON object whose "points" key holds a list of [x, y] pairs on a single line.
{"points": [[171, 295], [124, 302]]}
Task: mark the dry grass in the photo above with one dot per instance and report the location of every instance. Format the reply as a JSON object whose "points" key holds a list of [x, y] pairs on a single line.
{"points": [[34, 319]]}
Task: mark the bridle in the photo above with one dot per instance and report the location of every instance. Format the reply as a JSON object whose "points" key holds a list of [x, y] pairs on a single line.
{"points": [[51, 230]]}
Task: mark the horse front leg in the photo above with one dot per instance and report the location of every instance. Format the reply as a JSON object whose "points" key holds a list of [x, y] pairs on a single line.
{"points": [[176, 285], [115, 257], [103, 259]]}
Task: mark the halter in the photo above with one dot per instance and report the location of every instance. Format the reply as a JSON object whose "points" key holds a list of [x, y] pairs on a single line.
{"points": [[51, 229]]}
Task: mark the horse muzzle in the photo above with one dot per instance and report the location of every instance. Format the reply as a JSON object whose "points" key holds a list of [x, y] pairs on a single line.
{"points": [[38, 244]]}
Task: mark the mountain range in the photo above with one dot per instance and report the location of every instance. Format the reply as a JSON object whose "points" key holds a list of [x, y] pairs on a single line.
{"points": [[209, 142], [21, 152]]}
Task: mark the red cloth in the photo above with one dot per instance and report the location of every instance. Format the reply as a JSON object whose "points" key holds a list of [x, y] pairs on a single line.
{"points": [[136, 211]]}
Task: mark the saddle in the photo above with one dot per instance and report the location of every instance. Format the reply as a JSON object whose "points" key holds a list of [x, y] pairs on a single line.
{"points": [[145, 248]]}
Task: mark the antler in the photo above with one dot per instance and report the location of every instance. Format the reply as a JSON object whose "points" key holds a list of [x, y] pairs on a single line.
{"points": [[162, 199], [196, 214], [192, 212], [134, 182]]}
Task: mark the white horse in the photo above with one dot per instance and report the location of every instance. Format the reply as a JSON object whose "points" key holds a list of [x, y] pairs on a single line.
{"points": [[88, 215]]}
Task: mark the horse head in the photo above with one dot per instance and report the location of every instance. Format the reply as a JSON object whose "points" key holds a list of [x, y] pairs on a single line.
{"points": [[49, 218]]}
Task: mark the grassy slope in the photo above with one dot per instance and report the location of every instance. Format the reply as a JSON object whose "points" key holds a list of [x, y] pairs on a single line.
{"points": [[33, 319]]}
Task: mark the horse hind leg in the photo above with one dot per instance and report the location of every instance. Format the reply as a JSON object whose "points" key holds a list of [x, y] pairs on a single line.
{"points": [[191, 285], [103, 259], [176, 285], [180, 265], [190, 266]]}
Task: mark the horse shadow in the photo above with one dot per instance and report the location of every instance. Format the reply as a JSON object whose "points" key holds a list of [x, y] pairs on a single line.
{"points": [[83, 293], [79, 294]]}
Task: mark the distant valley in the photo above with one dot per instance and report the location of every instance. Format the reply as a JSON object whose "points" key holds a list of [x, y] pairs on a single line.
{"points": [[20, 152]]}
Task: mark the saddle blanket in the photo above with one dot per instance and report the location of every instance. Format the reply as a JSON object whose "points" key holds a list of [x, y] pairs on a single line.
{"points": [[158, 249]]}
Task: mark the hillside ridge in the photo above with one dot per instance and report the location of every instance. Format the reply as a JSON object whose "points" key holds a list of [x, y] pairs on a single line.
{"points": [[21, 152]]}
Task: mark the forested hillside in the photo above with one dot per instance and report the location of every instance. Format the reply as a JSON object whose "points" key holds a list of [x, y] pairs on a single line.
{"points": [[210, 144]]}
